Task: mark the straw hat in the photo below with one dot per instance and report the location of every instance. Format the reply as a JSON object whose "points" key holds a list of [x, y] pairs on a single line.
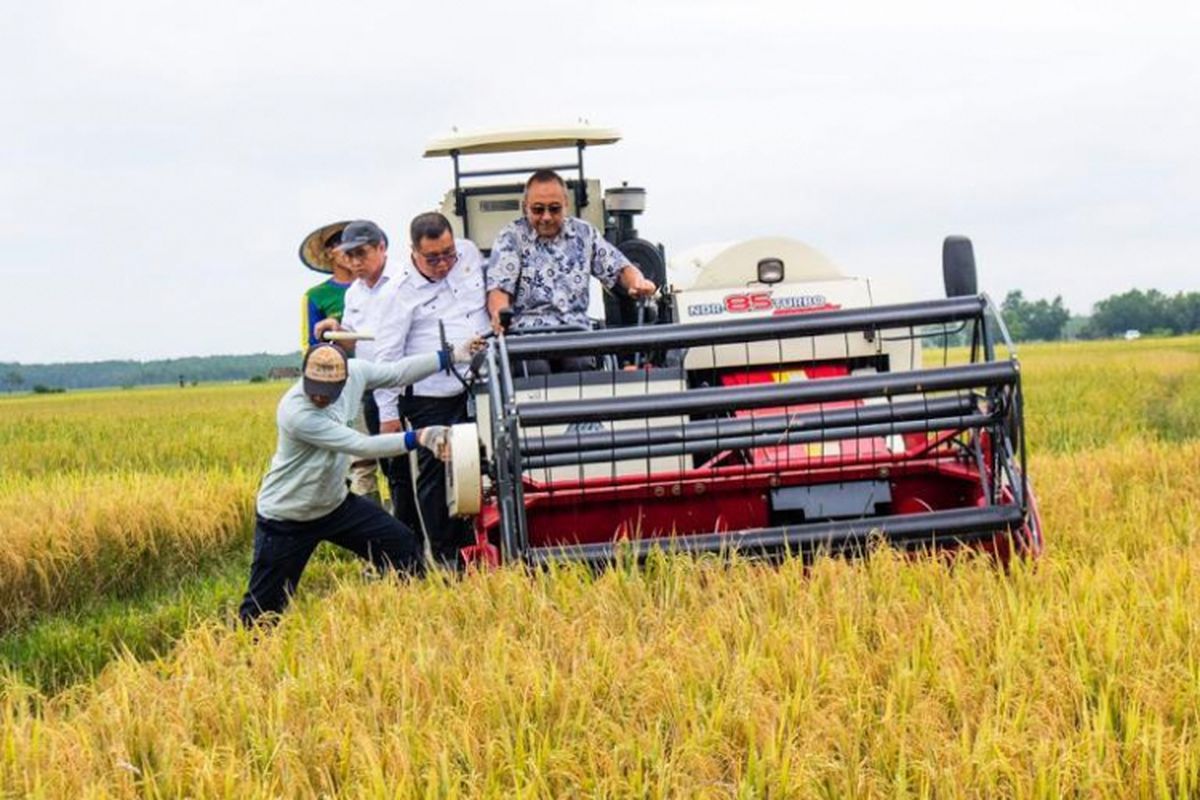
{"points": [[312, 249]]}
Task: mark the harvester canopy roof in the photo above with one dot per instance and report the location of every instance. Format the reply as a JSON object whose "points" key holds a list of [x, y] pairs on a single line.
{"points": [[512, 140]]}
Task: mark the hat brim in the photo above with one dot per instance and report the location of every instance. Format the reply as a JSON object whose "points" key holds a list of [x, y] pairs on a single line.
{"points": [[331, 391], [312, 249], [346, 246]]}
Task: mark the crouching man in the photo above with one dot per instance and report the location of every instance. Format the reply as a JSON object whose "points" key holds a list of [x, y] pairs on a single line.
{"points": [[303, 499]]}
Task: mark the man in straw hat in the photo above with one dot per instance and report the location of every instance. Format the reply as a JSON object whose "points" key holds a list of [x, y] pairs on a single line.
{"points": [[303, 499], [325, 301]]}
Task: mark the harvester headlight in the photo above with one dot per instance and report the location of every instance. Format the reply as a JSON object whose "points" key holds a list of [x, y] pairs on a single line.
{"points": [[770, 270]]}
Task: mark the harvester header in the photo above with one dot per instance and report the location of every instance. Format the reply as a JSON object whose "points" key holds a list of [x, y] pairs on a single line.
{"points": [[764, 401]]}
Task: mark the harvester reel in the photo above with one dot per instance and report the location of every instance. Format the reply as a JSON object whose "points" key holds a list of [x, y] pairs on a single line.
{"points": [[463, 476], [785, 433]]}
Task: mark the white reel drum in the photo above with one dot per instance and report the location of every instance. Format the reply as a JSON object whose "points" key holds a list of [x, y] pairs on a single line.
{"points": [[464, 491]]}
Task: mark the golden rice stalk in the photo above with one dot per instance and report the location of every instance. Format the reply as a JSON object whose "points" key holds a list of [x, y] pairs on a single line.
{"points": [[64, 539], [1077, 675]]}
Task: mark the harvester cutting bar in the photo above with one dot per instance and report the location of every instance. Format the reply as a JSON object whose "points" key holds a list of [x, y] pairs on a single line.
{"points": [[717, 399], [935, 528], [792, 437], [817, 323], [726, 428]]}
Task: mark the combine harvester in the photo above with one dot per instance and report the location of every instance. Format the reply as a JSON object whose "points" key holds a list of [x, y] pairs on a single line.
{"points": [[766, 403]]}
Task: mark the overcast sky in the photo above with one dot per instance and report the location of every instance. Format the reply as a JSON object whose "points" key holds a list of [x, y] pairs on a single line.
{"points": [[162, 160]]}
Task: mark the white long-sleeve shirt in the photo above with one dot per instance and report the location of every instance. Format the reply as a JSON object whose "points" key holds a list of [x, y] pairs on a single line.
{"points": [[365, 309], [410, 322], [307, 477]]}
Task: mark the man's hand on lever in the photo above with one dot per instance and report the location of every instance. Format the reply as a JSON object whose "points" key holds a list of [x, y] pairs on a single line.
{"points": [[498, 300], [465, 351], [436, 439], [330, 330], [634, 282], [327, 324]]}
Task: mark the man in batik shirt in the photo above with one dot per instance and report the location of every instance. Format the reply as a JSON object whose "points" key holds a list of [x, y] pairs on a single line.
{"points": [[540, 264]]}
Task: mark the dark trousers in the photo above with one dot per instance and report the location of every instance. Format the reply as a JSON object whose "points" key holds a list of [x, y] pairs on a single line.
{"points": [[282, 549], [446, 536]]}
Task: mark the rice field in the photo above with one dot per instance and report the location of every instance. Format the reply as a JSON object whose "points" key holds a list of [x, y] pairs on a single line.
{"points": [[104, 493], [1075, 676]]}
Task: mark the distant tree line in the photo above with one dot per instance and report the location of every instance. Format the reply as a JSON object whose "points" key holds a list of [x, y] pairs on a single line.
{"points": [[181, 371], [1034, 319], [1150, 312]]}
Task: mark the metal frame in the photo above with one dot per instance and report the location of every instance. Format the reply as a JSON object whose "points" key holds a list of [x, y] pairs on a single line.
{"points": [[461, 192], [983, 419]]}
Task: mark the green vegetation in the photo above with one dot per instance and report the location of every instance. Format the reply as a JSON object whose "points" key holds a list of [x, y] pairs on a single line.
{"points": [[68, 648], [1148, 312], [1034, 320], [176, 371], [61, 650]]}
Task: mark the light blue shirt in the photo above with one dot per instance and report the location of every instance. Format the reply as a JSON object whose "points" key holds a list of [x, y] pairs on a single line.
{"points": [[307, 478]]}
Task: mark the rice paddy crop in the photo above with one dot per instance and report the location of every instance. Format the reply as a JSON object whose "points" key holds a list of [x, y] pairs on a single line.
{"points": [[1076, 675], [104, 493]]}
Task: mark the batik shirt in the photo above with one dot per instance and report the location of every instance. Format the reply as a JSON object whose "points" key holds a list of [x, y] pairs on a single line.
{"points": [[548, 278]]}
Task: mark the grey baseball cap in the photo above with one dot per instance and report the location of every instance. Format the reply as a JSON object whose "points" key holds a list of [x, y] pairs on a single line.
{"points": [[359, 233]]}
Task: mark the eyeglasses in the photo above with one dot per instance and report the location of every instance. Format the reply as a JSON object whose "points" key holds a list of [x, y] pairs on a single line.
{"points": [[554, 209], [437, 259]]}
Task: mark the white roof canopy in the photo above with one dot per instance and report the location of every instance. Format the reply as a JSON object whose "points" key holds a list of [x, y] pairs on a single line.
{"points": [[513, 140]]}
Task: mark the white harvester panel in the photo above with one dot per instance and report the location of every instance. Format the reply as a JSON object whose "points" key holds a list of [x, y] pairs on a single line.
{"points": [[626, 384], [787, 299]]}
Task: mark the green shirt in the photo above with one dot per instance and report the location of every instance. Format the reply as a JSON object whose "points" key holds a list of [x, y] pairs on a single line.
{"points": [[321, 301]]}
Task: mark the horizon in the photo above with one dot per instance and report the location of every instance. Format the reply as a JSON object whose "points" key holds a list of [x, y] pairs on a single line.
{"points": [[146, 360]]}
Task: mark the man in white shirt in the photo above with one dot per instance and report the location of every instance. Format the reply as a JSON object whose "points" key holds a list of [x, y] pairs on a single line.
{"points": [[364, 246], [440, 292]]}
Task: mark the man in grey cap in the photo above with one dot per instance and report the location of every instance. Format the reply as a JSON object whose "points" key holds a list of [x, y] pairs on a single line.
{"points": [[363, 245], [318, 252], [303, 499]]}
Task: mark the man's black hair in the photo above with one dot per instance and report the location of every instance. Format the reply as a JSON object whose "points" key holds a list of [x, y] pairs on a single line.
{"points": [[545, 176], [430, 225], [333, 239]]}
